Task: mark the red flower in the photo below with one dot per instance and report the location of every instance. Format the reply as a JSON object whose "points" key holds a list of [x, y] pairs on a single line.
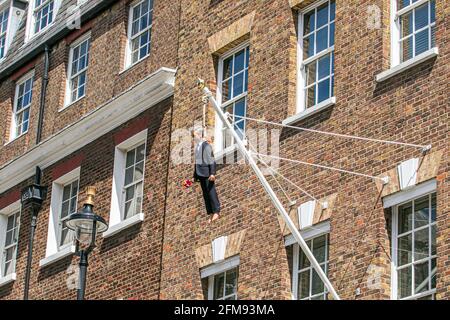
{"points": [[187, 183]]}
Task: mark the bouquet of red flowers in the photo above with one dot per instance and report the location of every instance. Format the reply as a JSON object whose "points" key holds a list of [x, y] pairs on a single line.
{"points": [[187, 183]]}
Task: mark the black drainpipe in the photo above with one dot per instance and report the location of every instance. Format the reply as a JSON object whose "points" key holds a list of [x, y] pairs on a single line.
{"points": [[43, 94]]}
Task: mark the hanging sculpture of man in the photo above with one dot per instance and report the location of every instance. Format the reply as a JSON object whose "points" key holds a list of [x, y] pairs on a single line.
{"points": [[205, 173]]}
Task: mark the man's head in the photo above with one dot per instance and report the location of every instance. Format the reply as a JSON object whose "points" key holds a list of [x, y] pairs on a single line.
{"points": [[197, 134]]}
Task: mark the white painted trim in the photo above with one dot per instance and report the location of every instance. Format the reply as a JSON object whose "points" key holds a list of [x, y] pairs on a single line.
{"points": [[399, 68], [124, 224], [61, 254], [306, 214], [219, 246], [407, 173], [309, 233], [408, 195], [8, 279], [155, 88], [310, 111], [220, 267]]}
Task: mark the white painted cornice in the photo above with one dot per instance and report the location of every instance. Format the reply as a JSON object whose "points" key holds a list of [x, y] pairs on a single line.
{"points": [[148, 92]]}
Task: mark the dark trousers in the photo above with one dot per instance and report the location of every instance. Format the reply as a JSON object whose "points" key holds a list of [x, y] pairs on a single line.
{"points": [[212, 203]]}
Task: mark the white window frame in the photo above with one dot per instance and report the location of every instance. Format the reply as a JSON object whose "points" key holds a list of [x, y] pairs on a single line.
{"points": [[21, 81], [218, 146], [4, 214], [3, 7], [216, 269], [407, 197], [396, 33], [310, 233], [70, 77], [30, 31], [117, 223], [55, 251], [302, 110], [128, 53]]}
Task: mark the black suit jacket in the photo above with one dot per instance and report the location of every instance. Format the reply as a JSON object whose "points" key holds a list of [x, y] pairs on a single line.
{"points": [[205, 165]]}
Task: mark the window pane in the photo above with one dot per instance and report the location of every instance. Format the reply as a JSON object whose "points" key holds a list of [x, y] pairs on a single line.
{"points": [[317, 284], [231, 282], [402, 3], [227, 68], [64, 209], [140, 153], [322, 15], [421, 214], [130, 158], [422, 41], [310, 73], [404, 282], [433, 207], [404, 218], [129, 176], [322, 39], [406, 23], [406, 49], [139, 171], [219, 281], [226, 90], [421, 244], [303, 284], [404, 249], [421, 277], [324, 90], [319, 248], [332, 34], [421, 17], [433, 11], [324, 67], [332, 10], [433, 273], [309, 22], [303, 260], [308, 46], [311, 96], [433, 240], [238, 84], [239, 61]]}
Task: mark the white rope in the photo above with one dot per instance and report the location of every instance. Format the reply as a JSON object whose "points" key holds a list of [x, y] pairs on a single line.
{"points": [[273, 173], [289, 181], [423, 147], [384, 179]]}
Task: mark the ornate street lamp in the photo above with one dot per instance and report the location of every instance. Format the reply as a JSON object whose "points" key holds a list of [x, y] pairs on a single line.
{"points": [[85, 224], [32, 196]]}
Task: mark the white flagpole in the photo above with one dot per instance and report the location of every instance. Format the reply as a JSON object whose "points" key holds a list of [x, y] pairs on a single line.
{"points": [[278, 205]]}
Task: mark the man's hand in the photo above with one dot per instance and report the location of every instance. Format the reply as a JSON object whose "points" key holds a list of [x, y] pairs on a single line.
{"points": [[212, 178]]}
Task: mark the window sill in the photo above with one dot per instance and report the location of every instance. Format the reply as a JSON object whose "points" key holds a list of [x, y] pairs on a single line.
{"points": [[70, 104], [8, 279], [407, 64], [133, 65], [15, 138], [61, 254], [310, 111], [125, 224]]}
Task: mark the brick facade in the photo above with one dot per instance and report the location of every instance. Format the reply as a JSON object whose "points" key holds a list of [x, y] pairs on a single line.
{"points": [[160, 258]]}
